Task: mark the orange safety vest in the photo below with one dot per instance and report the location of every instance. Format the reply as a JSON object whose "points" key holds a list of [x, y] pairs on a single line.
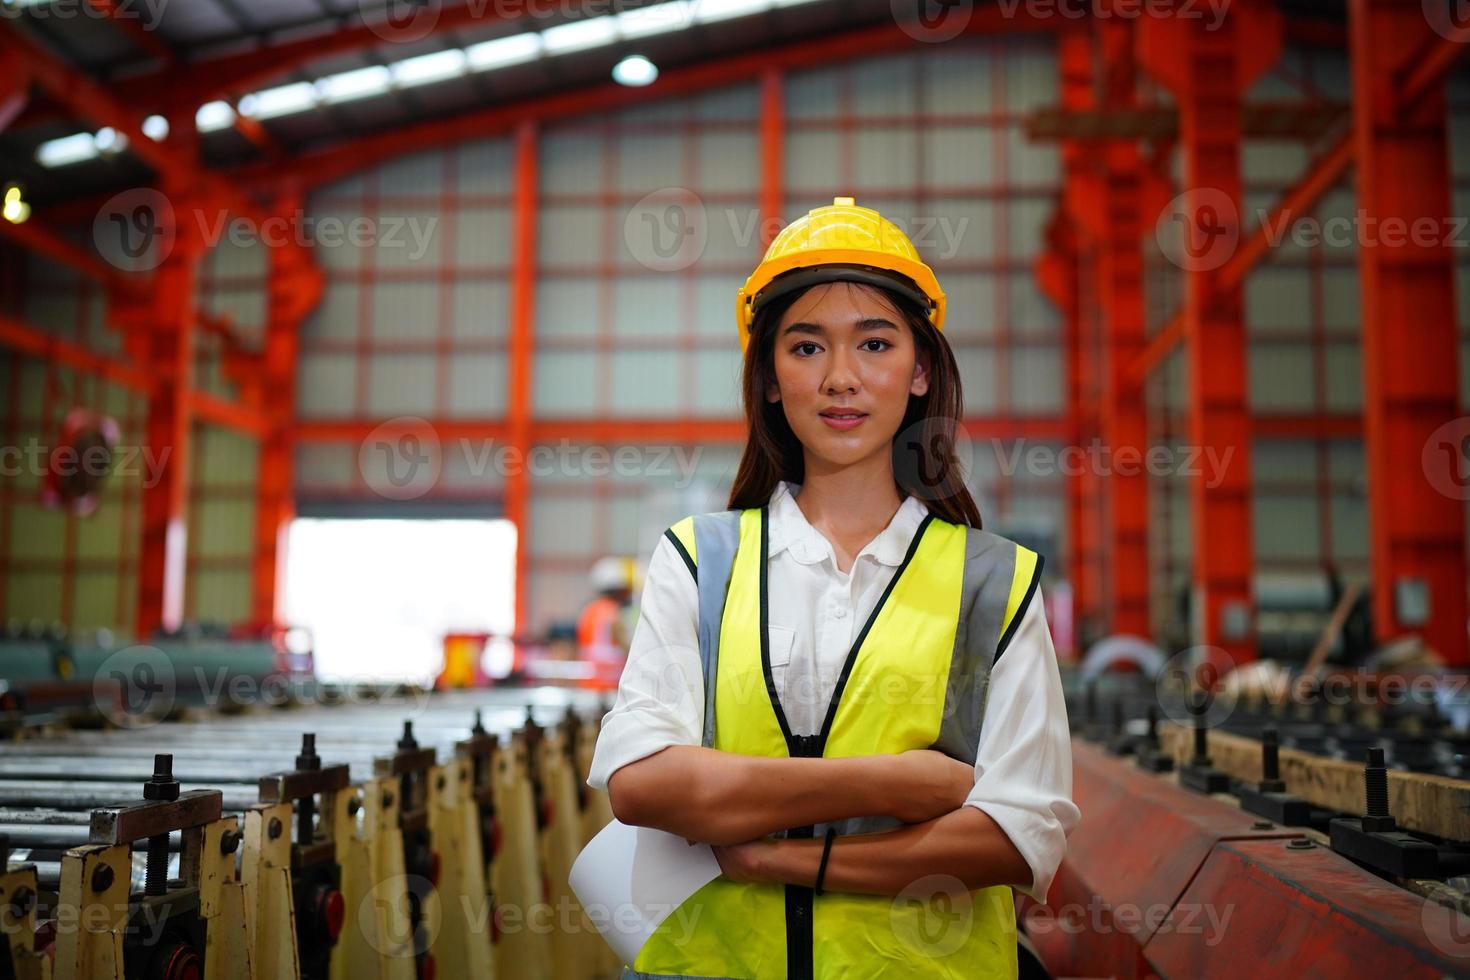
{"points": [[597, 643]]}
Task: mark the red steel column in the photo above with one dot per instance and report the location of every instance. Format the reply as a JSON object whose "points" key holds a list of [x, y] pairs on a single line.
{"points": [[293, 291], [168, 349], [773, 152], [521, 344], [1057, 272], [1209, 66], [1120, 291], [1410, 341]]}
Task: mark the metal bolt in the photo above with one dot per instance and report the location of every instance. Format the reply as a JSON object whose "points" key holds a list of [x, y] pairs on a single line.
{"points": [[1300, 844], [353, 805], [1153, 726], [229, 842], [102, 877], [1375, 792], [21, 901], [387, 798], [1262, 825], [408, 741], [161, 786], [1197, 706], [274, 828]]}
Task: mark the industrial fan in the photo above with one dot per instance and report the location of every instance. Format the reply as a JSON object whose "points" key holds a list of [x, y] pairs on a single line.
{"points": [[80, 462]]}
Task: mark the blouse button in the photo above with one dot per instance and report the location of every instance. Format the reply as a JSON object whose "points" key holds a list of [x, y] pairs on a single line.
{"points": [[840, 612]]}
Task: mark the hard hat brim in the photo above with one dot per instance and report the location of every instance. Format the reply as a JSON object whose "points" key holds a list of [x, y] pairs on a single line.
{"points": [[800, 279]]}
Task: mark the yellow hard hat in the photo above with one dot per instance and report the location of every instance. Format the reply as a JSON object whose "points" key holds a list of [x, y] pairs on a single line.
{"points": [[839, 243]]}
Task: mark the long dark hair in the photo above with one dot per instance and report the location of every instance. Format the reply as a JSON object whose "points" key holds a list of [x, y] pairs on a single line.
{"points": [[924, 460]]}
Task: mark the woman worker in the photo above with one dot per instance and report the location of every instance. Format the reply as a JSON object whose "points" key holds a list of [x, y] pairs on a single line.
{"points": [[842, 682]]}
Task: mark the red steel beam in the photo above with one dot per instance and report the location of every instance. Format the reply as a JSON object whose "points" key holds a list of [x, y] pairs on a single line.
{"points": [[644, 430], [1417, 75], [1209, 71], [1057, 272], [35, 237], [1124, 424], [14, 92], [334, 163], [521, 351], [1410, 340], [773, 152], [294, 289], [235, 74], [167, 345], [127, 21], [31, 341], [175, 159]]}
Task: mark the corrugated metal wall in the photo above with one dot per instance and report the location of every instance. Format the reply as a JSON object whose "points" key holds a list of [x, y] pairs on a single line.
{"points": [[416, 324]]}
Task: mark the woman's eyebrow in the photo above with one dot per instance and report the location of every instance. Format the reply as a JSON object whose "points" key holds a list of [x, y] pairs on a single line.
{"points": [[870, 323]]}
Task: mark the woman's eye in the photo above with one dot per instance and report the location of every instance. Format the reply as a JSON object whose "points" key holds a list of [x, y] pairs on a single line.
{"points": [[805, 349], [882, 344]]}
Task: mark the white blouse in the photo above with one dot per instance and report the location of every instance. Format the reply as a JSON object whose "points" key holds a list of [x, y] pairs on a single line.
{"points": [[1023, 768]]}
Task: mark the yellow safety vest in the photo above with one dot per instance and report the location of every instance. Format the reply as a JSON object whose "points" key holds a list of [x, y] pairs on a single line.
{"points": [[915, 678]]}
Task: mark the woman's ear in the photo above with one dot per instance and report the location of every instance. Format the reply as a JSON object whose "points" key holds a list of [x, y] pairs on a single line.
{"points": [[773, 391], [920, 384]]}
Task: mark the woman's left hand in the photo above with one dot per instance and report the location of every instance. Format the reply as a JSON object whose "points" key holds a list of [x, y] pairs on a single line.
{"points": [[741, 862]]}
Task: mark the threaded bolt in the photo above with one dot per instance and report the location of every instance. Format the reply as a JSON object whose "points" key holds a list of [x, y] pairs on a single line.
{"points": [[1270, 755], [1197, 708], [1375, 784], [1153, 726], [161, 786]]}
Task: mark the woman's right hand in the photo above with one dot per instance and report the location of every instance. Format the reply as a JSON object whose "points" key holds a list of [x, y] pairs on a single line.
{"points": [[929, 785]]}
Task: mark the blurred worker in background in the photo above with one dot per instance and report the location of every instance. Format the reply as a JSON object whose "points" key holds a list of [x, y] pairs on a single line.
{"points": [[603, 628]]}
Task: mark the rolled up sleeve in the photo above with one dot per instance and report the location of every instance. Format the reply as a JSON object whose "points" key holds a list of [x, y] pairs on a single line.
{"points": [[1023, 768], [660, 699]]}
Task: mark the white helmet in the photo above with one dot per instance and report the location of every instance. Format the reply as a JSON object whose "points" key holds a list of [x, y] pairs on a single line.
{"points": [[614, 572]]}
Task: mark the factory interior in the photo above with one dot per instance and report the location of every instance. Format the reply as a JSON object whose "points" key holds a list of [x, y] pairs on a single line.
{"points": [[363, 363]]}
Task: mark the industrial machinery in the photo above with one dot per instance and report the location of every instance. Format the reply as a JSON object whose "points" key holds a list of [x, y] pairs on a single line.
{"points": [[305, 841], [1321, 829]]}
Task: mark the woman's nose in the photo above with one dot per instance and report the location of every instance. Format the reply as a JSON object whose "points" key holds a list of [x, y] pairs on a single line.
{"points": [[840, 375]]}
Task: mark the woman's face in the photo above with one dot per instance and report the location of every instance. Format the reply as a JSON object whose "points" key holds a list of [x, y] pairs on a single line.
{"points": [[845, 365]]}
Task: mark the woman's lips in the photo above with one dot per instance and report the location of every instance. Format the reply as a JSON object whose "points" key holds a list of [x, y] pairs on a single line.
{"points": [[844, 420]]}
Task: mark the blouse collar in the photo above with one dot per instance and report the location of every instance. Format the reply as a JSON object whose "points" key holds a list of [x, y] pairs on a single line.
{"points": [[789, 528]]}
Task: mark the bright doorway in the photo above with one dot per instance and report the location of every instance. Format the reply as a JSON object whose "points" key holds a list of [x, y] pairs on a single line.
{"points": [[379, 595]]}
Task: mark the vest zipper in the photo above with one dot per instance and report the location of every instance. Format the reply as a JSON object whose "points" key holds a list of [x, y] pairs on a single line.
{"points": [[800, 955]]}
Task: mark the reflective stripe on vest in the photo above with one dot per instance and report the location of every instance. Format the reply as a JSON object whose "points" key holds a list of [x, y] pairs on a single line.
{"points": [[916, 677]]}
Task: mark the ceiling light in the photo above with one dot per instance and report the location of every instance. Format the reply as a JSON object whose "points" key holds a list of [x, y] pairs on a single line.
{"points": [[591, 32], [109, 140], [503, 51], [15, 210], [635, 71], [67, 150], [284, 100], [215, 116], [707, 12], [156, 128], [657, 19], [429, 68], [358, 84]]}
